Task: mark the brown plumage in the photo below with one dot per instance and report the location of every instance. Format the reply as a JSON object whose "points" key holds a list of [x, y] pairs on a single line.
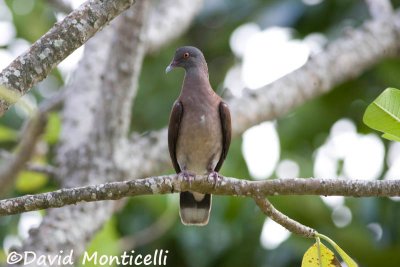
{"points": [[199, 132]]}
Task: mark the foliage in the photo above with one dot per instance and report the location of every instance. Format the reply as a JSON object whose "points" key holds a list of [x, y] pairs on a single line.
{"points": [[384, 114]]}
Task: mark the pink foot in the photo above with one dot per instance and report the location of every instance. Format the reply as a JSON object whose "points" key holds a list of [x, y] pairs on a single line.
{"points": [[187, 177], [215, 177]]}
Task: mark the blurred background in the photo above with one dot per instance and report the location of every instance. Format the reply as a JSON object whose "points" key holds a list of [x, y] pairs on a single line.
{"points": [[248, 44]]}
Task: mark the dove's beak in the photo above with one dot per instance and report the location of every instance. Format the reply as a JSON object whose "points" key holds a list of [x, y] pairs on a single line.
{"points": [[170, 67]]}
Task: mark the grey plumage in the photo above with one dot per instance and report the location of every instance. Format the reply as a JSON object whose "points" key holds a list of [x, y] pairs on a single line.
{"points": [[199, 131]]}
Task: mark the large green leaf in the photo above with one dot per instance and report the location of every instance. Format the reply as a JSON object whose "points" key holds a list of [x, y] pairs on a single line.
{"points": [[384, 114]]}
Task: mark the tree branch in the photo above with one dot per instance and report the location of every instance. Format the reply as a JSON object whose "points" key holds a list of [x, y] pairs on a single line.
{"points": [[89, 142], [282, 219], [59, 42], [41, 168], [80, 159], [226, 186], [29, 166]]}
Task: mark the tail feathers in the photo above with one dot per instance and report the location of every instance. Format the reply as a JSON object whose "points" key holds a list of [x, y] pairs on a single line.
{"points": [[194, 212]]}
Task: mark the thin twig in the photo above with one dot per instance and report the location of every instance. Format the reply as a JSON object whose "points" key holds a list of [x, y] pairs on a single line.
{"points": [[30, 166], [41, 168], [227, 186], [293, 226]]}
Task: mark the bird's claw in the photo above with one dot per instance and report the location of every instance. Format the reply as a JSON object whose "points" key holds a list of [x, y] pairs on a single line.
{"points": [[187, 177], [215, 177]]}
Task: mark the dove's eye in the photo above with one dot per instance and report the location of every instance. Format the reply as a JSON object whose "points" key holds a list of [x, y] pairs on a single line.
{"points": [[186, 55]]}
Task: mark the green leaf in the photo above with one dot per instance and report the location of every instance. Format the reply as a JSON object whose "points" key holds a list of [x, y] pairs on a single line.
{"points": [[53, 128], [346, 258], [391, 137], [384, 114], [30, 181], [318, 255], [7, 134]]}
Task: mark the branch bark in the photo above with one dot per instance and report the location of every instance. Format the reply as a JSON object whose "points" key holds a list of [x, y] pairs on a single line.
{"points": [[225, 186], [294, 227], [59, 42]]}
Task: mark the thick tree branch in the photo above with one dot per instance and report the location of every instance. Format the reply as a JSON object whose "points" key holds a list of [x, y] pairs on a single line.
{"points": [[59, 42], [91, 146], [226, 186], [74, 225], [113, 69]]}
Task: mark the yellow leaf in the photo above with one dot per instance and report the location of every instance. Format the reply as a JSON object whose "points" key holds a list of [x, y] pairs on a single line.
{"points": [[346, 258], [318, 255]]}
